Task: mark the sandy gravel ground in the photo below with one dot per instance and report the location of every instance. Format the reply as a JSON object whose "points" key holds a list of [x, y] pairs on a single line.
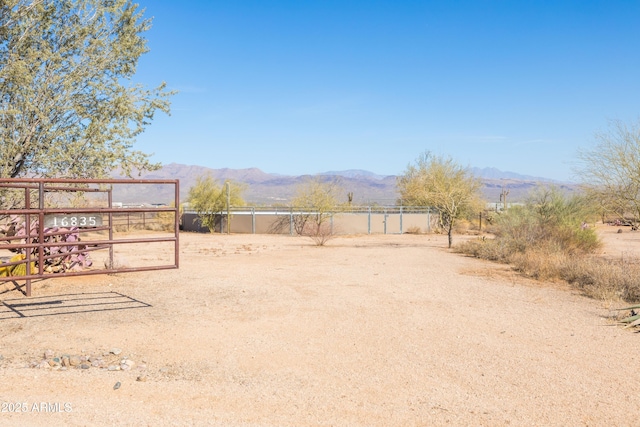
{"points": [[273, 331]]}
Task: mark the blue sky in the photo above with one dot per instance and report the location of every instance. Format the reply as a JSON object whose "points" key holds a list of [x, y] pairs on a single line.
{"points": [[303, 87]]}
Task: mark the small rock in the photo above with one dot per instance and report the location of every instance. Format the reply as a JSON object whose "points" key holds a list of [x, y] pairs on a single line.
{"points": [[48, 354], [96, 363], [65, 361], [124, 367], [117, 385], [85, 366], [116, 351], [141, 378], [74, 361], [42, 365], [113, 368], [129, 363]]}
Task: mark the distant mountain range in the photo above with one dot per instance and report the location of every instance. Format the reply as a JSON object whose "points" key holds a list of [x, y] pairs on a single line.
{"points": [[367, 187]]}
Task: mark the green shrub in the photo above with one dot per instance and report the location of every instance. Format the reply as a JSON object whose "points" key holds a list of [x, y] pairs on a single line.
{"points": [[545, 239]]}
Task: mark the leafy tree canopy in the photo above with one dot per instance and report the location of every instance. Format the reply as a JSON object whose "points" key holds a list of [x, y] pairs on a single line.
{"points": [[68, 107], [209, 199], [441, 183], [321, 195]]}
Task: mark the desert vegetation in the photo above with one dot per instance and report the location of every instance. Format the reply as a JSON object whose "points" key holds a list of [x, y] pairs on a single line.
{"points": [[211, 200], [548, 238], [440, 182], [611, 172], [69, 106], [314, 204]]}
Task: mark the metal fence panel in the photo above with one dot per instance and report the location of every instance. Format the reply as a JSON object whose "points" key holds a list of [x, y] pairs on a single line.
{"points": [[357, 220], [59, 223]]}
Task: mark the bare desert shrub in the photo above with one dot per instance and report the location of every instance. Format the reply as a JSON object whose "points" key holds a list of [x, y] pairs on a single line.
{"points": [[540, 263], [164, 221], [485, 248], [604, 279], [414, 230], [320, 233]]}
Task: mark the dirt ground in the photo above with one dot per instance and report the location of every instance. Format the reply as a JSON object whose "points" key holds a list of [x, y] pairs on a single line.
{"points": [[263, 330]]}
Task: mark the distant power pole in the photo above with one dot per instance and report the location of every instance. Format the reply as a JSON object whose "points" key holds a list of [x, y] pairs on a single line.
{"points": [[228, 206], [503, 198]]}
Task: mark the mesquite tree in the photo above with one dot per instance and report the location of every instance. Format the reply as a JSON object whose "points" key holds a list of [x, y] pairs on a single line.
{"points": [[68, 107], [441, 183]]}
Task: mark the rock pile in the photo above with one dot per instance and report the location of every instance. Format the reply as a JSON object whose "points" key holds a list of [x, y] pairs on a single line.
{"points": [[107, 360]]}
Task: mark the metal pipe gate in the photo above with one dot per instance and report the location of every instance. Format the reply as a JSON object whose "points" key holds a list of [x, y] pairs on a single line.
{"points": [[56, 230]]}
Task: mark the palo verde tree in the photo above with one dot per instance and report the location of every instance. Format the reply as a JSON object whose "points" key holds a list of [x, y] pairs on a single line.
{"points": [[316, 200], [441, 183], [210, 200], [611, 170], [68, 107]]}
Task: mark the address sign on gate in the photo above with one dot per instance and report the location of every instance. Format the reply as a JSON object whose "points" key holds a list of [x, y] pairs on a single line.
{"points": [[73, 220]]}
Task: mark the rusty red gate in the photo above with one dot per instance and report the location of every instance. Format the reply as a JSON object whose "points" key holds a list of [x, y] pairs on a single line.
{"points": [[52, 228]]}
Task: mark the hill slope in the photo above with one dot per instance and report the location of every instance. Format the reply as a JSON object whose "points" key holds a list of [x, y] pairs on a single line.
{"points": [[367, 187]]}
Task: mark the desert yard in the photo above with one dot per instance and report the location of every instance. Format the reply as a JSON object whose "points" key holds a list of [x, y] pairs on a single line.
{"points": [[265, 330]]}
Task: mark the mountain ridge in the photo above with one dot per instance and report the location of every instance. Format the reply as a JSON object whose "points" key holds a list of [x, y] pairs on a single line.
{"points": [[368, 188]]}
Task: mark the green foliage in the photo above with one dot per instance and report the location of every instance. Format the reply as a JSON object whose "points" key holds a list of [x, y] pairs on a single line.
{"points": [[316, 201], [633, 319], [440, 182], [209, 199], [67, 104], [318, 194], [547, 239], [548, 222], [560, 220]]}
